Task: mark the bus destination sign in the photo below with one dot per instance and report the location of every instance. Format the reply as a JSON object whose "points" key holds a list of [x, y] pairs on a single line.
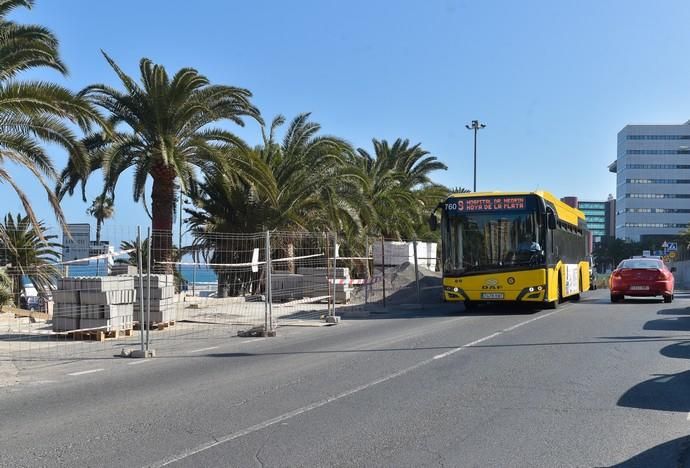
{"points": [[466, 205]]}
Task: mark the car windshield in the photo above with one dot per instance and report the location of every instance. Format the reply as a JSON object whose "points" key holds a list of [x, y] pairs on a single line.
{"points": [[640, 263]]}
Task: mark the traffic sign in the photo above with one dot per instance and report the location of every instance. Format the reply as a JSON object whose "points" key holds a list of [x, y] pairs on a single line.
{"points": [[672, 246]]}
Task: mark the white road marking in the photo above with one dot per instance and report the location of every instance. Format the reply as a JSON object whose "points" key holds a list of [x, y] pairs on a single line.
{"points": [[204, 349], [74, 374], [468, 345], [318, 404], [251, 341], [493, 335], [688, 418], [137, 362]]}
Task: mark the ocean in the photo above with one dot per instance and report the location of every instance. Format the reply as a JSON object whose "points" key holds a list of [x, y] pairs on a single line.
{"points": [[190, 273]]}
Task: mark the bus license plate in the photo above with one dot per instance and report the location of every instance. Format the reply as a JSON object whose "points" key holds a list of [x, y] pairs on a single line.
{"points": [[492, 295]]}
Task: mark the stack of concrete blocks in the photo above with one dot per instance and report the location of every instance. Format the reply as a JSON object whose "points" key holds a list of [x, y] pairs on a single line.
{"points": [[286, 286], [162, 298], [103, 303], [66, 306], [122, 269], [397, 253], [107, 303], [315, 282]]}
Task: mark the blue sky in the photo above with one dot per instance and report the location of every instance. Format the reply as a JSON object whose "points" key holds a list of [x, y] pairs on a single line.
{"points": [[554, 81]]}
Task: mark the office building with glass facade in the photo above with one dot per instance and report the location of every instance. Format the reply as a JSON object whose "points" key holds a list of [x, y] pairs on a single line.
{"points": [[599, 215], [652, 169], [595, 215]]}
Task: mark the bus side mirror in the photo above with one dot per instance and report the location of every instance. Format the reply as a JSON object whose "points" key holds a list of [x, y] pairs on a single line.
{"points": [[433, 222], [551, 220]]}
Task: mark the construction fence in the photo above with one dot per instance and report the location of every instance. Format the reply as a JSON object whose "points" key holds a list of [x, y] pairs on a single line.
{"points": [[150, 294]]}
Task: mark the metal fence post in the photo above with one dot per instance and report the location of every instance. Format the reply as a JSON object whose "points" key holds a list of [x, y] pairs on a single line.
{"points": [[383, 269], [140, 270], [148, 290], [268, 326], [330, 286], [366, 285], [416, 270], [267, 249], [335, 271]]}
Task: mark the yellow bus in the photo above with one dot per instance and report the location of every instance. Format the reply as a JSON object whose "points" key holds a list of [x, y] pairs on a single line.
{"points": [[512, 246]]}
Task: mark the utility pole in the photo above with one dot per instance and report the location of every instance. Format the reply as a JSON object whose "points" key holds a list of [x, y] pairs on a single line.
{"points": [[476, 126]]}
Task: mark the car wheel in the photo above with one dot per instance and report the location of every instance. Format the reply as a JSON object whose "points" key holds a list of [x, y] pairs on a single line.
{"points": [[668, 299], [616, 297]]}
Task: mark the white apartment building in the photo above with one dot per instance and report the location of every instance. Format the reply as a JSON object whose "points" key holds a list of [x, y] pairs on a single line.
{"points": [[653, 181]]}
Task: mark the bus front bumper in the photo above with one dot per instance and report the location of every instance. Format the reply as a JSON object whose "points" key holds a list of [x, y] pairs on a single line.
{"points": [[534, 293]]}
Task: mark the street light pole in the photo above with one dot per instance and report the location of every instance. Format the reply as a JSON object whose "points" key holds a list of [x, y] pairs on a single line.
{"points": [[476, 126]]}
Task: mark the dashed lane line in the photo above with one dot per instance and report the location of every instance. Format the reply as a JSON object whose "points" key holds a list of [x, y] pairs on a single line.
{"points": [[201, 350], [91, 371]]}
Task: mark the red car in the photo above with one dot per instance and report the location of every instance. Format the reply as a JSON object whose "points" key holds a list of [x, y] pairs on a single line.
{"points": [[641, 277]]}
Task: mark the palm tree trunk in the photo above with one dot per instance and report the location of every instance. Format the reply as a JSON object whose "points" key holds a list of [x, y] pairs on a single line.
{"points": [[163, 203], [17, 287], [98, 243]]}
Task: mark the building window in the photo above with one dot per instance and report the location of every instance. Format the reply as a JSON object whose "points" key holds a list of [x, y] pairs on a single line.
{"points": [[656, 225], [657, 166], [657, 181], [658, 137], [656, 151]]}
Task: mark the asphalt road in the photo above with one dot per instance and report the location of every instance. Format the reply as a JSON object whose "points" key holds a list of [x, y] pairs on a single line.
{"points": [[590, 384]]}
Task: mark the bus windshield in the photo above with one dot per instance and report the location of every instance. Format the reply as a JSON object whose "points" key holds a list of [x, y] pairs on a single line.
{"points": [[492, 241]]}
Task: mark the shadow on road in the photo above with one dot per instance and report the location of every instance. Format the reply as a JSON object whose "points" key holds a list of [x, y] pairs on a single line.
{"points": [[666, 392], [671, 324], [668, 454], [680, 350], [407, 311], [675, 311]]}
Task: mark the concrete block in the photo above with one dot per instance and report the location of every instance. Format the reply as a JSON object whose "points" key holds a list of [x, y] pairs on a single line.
{"points": [[107, 283], [157, 281], [66, 296], [157, 304], [107, 297], [157, 293], [115, 323], [61, 324], [119, 269], [67, 310], [287, 286]]}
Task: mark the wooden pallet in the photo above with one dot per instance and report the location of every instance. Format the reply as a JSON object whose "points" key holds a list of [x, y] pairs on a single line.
{"points": [[99, 335], [156, 325]]}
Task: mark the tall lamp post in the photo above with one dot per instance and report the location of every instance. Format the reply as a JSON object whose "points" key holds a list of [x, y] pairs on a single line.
{"points": [[476, 126]]}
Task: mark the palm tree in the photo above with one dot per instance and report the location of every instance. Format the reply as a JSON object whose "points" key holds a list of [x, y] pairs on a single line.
{"points": [[132, 258], [34, 112], [305, 183], [163, 133], [5, 288], [101, 208], [399, 188], [25, 252]]}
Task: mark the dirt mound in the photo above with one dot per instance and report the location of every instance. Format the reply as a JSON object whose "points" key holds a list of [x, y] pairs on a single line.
{"points": [[401, 287]]}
